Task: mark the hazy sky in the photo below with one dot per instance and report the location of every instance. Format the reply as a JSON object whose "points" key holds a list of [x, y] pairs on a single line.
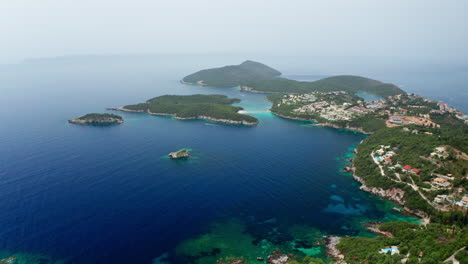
{"points": [[401, 28]]}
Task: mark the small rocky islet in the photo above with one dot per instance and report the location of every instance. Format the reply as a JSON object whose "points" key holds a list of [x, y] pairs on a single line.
{"points": [[180, 154], [97, 119]]}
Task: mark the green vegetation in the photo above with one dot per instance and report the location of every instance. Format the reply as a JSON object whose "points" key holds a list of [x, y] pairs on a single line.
{"points": [[97, 119], [409, 148], [338, 104], [262, 78], [348, 83], [462, 256], [194, 106], [432, 244], [95, 116], [234, 75]]}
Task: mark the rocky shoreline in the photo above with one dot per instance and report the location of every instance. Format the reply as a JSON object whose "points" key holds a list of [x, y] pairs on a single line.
{"points": [[89, 122], [374, 228], [97, 120], [332, 251], [395, 195], [355, 129], [208, 118]]}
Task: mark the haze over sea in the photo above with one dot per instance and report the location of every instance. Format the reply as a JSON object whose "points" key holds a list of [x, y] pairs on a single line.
{"points": [[108, 195]]}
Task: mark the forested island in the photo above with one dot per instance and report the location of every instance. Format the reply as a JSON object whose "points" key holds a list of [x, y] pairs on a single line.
{"points": [[215, 108], [95, 118], [257, 77]]}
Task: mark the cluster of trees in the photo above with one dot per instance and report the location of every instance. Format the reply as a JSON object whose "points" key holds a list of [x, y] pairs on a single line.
{"points": [[194, 106], [96, 116], [351, 84], [263, 78], [432, 243], [233, 75], [410, 148]]}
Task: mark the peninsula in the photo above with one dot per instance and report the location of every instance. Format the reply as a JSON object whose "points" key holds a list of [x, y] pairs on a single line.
{"points": [[95, 118], [256, 77], [215, 108]]}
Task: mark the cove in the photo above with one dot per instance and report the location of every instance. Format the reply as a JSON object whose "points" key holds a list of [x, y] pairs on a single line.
{"points": [[109, 195]]}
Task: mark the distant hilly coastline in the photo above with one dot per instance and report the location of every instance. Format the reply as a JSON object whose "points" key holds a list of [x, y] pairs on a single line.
{"points": [[233, 75], [257, 77]]}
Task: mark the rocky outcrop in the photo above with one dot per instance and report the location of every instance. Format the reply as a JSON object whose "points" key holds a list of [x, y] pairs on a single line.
{"points": [[393, 194], [183, 153], [332, 251], [374, 227], [231, 261], [357, 129], [277, 257]]}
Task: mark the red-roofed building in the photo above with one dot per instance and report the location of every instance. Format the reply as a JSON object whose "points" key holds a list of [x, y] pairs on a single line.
{"points": [[407, 168], [415, 171], [403, 110]]}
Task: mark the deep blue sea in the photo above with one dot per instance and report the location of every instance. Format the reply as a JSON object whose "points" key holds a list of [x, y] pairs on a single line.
{"points": [[108, 194]]}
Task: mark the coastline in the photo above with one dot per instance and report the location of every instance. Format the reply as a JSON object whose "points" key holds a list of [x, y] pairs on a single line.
{"points": [[394, 195], [355, 129], [332, 251], [207, 118]]}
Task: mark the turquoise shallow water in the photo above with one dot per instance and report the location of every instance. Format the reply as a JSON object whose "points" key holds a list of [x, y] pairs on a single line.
{"points": [[109, 195]]}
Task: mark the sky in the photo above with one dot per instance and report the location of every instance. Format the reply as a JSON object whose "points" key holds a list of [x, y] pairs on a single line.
{"points": [[415, 29]]}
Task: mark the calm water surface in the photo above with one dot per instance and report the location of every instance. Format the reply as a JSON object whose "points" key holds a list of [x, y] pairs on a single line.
{"points": [[108, 194]]}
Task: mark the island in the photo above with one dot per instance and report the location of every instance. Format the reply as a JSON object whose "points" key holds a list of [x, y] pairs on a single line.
{"points": [[230, 76], [215, 108], [256, 77], [97, 119], [180, 154]]}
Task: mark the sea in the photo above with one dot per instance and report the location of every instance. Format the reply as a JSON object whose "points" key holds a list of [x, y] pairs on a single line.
{"points": [[109, 194]]}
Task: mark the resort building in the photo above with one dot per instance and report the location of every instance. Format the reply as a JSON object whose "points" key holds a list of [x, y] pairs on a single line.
{"points": [[407, 168], [441, 182], [440, 198], [392, 250]]}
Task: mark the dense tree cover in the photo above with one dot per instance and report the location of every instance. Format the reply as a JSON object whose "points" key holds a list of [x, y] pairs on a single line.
{"points": [[369, 123], [453, 217], [348, 83], [234, 75], [194, 106], [409, 149], [462, 256], [96, 116], [436, 242], [263, 78]]}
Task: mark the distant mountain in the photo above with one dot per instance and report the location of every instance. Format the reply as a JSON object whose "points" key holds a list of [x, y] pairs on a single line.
{"points": [[257, 77], [234, 75]]}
